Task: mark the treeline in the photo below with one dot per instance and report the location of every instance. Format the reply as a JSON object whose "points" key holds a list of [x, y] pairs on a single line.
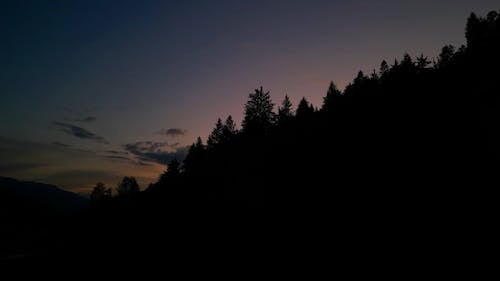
{"points": [[418, 131]]}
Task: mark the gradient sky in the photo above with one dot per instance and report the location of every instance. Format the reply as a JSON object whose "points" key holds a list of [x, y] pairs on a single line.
{"points": [[96, 90]]}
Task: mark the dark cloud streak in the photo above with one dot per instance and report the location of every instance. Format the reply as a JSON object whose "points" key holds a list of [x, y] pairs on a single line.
{"points": [[117, 157], [115, 152], [87, 119], [173, 132], [153, 152], [60, 144], [78, 132], [7, 168]]}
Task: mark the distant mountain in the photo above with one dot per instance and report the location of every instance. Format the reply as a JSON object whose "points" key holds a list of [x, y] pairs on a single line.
{"points": [[22, 197]]}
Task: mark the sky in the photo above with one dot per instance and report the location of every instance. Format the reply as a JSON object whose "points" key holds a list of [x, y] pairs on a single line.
{"points": [[97, 90]]}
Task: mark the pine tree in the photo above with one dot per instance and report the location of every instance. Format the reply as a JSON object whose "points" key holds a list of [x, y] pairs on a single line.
{"points": [[304, 109], [422, 62], [471, 30], [228, 130], [285, 111], [173, 168], [128, 187], [194, 159], [259, 115], [100, 192], [215, 136], [171, 175], [384, 68], [331, 96], [407, 64], [446, 55]]}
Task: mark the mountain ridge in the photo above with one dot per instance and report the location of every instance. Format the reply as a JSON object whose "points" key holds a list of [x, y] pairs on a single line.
{"points": [[27, 196]]}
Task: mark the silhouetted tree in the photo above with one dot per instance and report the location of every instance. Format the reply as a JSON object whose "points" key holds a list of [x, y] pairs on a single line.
{"points": [[422, 62], [228, 130], [171, 176], [471, 30], [216, 135], [259, 116], [407, 65], [395, 66], [384, 68], [357, 87], [285, 111], [100, 192], [361, 77], [194, 158], [331, 97], [173, 168], [446, 55], [128, 187], [304, 109], [222, 133]]}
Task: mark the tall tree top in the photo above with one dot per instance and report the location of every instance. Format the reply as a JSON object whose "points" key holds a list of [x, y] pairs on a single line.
{"points": [[285, 111], [216, 134], [331, 95], [259, 115]]}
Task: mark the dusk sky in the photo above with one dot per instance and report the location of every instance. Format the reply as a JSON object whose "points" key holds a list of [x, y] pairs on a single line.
{"points": [[97, 90]]}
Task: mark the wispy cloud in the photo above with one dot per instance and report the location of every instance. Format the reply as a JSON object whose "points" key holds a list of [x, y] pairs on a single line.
{"points": [[69, 166], [172, 132], [148, 151], [70, 147], [117, 157], [107, 154], [116, 152], [60, 144], [87, 119], [140, 163], [78, 132], [6, 169]]}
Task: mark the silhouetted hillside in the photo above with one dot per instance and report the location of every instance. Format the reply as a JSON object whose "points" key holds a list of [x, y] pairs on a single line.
{"points": [[33, 218], [37, 198], [415, 135]]}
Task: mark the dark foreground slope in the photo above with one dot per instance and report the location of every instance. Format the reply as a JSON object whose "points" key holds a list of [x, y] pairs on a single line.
{"points": [[30, 212]]}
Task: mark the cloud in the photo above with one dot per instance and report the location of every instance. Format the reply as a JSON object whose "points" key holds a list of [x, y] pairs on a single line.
{"points": [[85, 119], [174, 145], [70, 167], [8, 168], [172, 132], [126, 159], [117, 157], [71, 147], [148, 151], [110, 154], [121, 155], [116, 152], [25, 159], [60, 144], [78, 132]]}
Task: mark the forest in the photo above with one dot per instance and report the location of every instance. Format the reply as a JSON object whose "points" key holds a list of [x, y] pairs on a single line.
{"points": [[414, 142], [418, 130]]}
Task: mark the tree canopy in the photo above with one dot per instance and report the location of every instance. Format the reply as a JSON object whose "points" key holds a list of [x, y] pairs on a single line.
{"points": [[259, 116]]}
